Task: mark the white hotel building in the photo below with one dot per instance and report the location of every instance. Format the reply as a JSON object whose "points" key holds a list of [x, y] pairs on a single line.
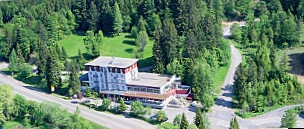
{"points": [[119, 77]]}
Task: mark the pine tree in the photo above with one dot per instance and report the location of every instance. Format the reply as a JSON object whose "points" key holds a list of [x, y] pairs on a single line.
{"points": [[184, 123], [274, 5], [93, 19], [289, 119], [80, 60], [169, 40], [234, 124], [13, 61], [178, 8], [87, 92], [199, 121], [2, 116], [64, 55], [74, 83], [141, 40], [142, 24], [158, 61], [52, 70], [122, 106], [284, 64], [202, 84], [106, 17], [117, 23]]}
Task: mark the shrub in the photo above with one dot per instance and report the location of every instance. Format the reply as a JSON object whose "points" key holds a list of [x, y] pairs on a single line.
{"points": [[105, 104]]}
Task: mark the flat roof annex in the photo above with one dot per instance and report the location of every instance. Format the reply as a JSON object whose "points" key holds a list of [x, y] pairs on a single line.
{"points": [[115, 62], [150, 79]]}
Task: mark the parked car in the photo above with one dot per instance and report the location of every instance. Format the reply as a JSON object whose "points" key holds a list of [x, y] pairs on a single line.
{"points": [[163, 120], [194, 103], [153, 117]]}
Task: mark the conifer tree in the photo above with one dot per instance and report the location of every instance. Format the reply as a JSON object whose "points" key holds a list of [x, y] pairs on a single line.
{"points": [[117, 23], [80, 60], [178, 8], [184, 123], [2, 116], [87, 92], [234, 124], [158, 63], [142, 24], [199, 121], [141, 40], [93, 19], [169, 40], [284, 64], [63, 54], [289, 119], [122, 106], [106, 16], [52, 71], [13, 61], [74, 83]]}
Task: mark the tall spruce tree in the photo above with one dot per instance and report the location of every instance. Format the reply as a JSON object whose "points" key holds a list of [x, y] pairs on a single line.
{"points": [[158, 56], [80, 60], [184, 123], [52, 70], [169, 40], [199, 121], [234, 124], [74, 83], [13, 61], [93, 19], [117, 23]]}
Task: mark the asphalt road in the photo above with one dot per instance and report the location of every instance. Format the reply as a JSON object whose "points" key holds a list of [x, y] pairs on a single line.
{"points": [[108, 120]]}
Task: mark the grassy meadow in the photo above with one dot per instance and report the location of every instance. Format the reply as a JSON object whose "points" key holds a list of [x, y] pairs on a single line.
{"points": [[119, 46]]}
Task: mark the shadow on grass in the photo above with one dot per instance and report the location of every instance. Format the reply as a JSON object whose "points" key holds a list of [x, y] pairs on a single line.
{"points": [[80, 33], [145, 62], [129, 42], [297, 63], [130, 50]]}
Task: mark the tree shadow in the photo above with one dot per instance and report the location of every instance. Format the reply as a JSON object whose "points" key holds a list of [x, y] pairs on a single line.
{"points": [[80, 33], [130, 50], [297, 63], [129, 42], [145, 62]]}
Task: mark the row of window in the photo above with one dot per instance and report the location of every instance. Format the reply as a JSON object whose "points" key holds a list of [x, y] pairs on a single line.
{"points": [[149, 90]]}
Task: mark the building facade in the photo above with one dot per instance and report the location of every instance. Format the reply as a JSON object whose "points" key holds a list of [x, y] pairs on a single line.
{"points": [[119, 77]]}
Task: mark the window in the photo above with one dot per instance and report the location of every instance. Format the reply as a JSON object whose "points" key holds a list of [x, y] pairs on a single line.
{"points": [[136, 89], [156, 91], [110, 70], [143, 89], [95, 68], [130, 88], [150, 90]]}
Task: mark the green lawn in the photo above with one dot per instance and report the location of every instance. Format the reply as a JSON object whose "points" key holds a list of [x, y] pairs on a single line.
{"points": [[219, 78], [119, 46], [166, 125], [12, 125]]}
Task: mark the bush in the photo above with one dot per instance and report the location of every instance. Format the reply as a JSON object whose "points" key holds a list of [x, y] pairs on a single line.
{"points": [[161, 116], [105, 104], [25, 70], [137, 109], [134, 32]]}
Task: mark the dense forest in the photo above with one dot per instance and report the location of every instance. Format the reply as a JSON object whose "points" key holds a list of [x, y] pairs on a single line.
{"points": [[187, 34], [262, 80]]}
